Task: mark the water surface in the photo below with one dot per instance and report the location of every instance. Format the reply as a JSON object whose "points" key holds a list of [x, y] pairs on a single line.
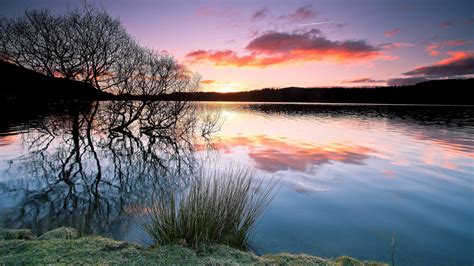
{"points": [[357, 180]]}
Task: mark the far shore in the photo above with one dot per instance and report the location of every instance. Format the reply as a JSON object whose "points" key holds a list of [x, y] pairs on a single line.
{"points": [[24, 85]]}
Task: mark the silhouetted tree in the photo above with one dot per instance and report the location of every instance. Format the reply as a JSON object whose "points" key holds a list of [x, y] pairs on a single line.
{"points": [[89, 45]]}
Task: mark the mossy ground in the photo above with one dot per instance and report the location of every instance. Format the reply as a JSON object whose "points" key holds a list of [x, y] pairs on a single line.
{"points": [[65, 246]]}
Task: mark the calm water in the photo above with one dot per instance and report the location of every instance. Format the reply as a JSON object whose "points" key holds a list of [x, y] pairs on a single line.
{"points": [[356, 178]]}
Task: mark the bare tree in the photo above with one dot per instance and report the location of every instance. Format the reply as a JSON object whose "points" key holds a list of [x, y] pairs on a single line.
{"points": [[147, 72], [89, 45]]}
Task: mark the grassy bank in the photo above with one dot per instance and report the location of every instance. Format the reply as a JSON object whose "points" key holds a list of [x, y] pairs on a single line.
{"points": [[65, 246]]}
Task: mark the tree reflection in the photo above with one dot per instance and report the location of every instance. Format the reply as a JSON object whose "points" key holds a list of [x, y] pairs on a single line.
{"points": [[86, 168]]}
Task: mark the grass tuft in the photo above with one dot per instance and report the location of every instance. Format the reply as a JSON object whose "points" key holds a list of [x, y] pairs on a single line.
{"points": [[60, 233], [220, 207]]}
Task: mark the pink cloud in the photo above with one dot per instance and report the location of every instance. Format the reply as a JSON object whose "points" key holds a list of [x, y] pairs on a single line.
{"points": [[434, 48], [457, 43], [391, 33], [274, 154], [396, 45]]}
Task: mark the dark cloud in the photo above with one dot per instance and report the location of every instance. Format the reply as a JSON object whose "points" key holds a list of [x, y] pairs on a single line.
{"points": [[459, 64], [363, 80], [446, 24], [260, 14], [430, 40], [312, 40], [341, 25], [405, 81], [301, 14]]}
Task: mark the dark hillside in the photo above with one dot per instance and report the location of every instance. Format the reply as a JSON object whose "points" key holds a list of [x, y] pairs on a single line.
{"points": [[25, 85]]}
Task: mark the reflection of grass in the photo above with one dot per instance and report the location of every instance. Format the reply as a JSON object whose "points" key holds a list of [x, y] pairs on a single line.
{"points": [[64, 246], [218, 208]]}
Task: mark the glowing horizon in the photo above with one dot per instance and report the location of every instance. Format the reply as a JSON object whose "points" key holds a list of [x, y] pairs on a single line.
{"points": [[246, 45]]}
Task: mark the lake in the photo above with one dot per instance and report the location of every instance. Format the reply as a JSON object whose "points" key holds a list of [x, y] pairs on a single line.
{"points": [[366, 181]]}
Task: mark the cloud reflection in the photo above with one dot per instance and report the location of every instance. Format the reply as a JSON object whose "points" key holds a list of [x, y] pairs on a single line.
{"points": [[273, 154], [7, 139]]}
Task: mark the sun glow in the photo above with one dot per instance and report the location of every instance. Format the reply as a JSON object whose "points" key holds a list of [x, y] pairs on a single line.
{"points": [[224, 87]]}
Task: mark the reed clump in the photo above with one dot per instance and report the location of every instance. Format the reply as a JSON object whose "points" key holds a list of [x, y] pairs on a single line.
{"points": [[218, 207]]}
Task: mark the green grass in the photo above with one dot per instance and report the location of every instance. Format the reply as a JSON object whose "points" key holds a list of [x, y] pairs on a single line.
{"points": [[7, 234], [220, 207], [57, 249]]}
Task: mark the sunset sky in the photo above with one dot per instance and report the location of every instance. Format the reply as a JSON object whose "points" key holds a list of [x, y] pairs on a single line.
{"points": [[243, 45]]}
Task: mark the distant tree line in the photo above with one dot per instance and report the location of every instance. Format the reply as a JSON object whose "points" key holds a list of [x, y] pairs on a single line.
{"points": [[430, 92], [89, 45]]}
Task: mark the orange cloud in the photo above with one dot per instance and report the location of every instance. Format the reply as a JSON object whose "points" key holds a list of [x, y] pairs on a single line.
{"points": [[231, 58], [456, 57], [208, 81]]}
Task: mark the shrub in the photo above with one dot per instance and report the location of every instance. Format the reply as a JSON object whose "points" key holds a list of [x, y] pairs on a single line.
{"points": [[220, 207], [60, 233]]}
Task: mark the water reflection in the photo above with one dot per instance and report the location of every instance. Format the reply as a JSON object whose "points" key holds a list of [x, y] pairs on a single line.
{"points": [[440, 133], [436, 123], [353, 175], [84, 168], [356, 174], [272, 154]]}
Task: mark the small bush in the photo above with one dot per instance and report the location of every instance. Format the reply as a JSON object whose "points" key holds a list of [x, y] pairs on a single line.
{"points": [[60, 233], [9, 234], [218, 208]]}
